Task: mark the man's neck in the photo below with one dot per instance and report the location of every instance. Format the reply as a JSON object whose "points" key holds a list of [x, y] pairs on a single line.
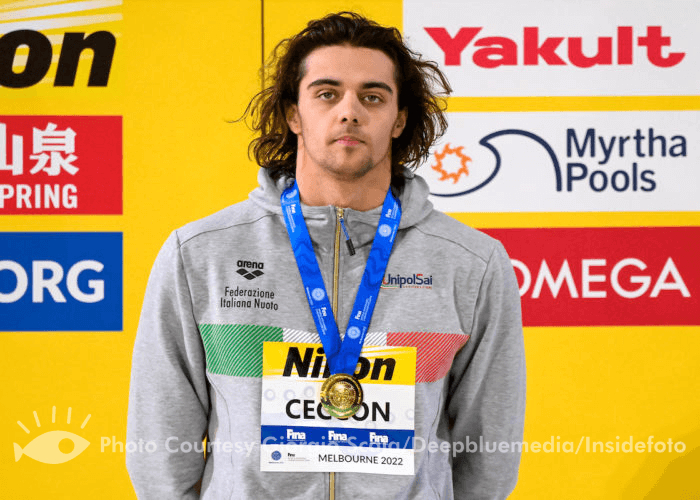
{"points": [[364, 193]]}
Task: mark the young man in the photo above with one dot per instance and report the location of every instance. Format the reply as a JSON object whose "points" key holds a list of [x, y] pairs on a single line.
{"points": [[336, 223]]}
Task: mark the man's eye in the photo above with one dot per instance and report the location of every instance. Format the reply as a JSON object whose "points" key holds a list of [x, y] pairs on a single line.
{"points": [[326, 95], [373, 98]]}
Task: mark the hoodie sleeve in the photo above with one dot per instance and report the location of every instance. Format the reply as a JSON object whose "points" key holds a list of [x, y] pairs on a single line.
{"points": [[486, 404], [168, 398]]}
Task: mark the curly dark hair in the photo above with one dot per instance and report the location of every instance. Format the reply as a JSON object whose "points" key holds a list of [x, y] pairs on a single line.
{"points": [[419, 82]]}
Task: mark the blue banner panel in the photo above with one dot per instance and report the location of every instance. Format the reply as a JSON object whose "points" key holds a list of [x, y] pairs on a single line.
{"points": [[337, 436], [61, 281]]}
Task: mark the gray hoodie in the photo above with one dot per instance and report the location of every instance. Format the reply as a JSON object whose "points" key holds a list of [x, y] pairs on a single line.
{"points": [[223, 285]]}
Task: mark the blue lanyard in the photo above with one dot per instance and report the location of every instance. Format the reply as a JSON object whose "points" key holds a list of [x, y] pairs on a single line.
{"points": [[342, 356]]}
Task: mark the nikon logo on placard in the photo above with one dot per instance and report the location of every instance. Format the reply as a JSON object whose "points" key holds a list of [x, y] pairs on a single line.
{"points": [[315, 361]]}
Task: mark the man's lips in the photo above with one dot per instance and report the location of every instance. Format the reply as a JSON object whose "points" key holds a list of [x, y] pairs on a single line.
{"points": [[348, 140]]}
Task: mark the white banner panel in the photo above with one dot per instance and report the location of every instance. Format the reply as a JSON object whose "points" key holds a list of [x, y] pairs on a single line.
{"points": [[560, 48], [617, 161], [300, 402]]}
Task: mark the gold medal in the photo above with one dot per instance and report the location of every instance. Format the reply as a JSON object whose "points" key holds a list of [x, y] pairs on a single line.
{"points": [[341, 395]]}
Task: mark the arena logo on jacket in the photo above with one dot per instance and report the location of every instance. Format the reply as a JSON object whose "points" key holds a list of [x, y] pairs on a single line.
{"points": [[60, 281], [250, 269], [240, 292]]}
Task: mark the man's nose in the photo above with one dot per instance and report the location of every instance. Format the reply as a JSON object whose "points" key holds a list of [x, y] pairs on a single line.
{"points": [[351, 109]]}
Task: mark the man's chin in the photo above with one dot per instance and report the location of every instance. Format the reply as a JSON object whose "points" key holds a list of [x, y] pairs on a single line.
{"points": [[350, 171]]}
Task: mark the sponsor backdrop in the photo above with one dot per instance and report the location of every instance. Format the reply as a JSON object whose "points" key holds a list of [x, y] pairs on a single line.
{"points": [[572, 139]]}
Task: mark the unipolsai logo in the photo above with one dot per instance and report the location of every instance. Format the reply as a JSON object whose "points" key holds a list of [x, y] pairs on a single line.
{"points": [[53, 446], [411, 280]]}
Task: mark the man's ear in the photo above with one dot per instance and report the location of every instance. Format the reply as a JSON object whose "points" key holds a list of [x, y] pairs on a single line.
{"points": [[293, 119], [400, 123]]}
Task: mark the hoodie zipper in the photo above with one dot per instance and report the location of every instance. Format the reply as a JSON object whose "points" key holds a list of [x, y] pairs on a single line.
{"points": [[334, 303]]}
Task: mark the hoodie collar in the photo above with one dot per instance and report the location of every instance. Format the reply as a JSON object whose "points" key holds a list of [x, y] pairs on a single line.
{"points": [[415, 205]]}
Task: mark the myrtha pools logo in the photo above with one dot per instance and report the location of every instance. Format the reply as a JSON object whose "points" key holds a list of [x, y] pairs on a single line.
{"points": [[622, 161], [451, 175], [54, 446]]}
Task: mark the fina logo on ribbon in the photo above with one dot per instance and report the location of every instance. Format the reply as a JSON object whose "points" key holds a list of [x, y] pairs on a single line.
{"points": [[318, 294], [353, 332], [384, 230], [393, 211]]}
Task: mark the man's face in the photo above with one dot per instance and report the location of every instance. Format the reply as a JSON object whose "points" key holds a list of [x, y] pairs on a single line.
{"points": [[347, 112]]}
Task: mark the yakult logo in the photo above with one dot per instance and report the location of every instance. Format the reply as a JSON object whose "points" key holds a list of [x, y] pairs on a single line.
{"points": [[535, 48], [550, 48]]}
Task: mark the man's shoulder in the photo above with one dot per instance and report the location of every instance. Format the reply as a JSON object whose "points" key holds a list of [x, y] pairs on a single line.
{"points": [[244, 212], [442, 226]]}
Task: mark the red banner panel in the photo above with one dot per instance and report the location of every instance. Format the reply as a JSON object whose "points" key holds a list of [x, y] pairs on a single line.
{"points": [[606, 276], [60, 165]]}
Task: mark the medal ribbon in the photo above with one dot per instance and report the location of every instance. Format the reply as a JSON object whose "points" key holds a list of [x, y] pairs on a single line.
{"points": [[342, 356]]}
